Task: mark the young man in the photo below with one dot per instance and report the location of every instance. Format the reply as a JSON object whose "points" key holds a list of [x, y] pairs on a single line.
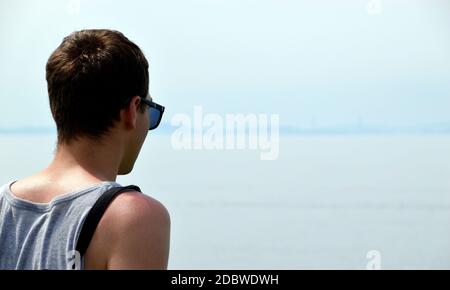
{"points": [[98, 91]]}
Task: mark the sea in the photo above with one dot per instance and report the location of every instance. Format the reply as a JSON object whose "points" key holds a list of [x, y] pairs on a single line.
{"points": [[327, 202]]}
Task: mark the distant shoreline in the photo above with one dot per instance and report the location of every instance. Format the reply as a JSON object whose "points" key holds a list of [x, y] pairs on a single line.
{"points": [[167, 129]]}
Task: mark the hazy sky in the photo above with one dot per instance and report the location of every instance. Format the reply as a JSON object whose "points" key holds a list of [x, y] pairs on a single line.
{"points": [[328, 61]]}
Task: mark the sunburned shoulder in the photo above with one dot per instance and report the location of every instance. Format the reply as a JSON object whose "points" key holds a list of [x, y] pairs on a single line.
{"points": [[136, 209], [134, 233]]}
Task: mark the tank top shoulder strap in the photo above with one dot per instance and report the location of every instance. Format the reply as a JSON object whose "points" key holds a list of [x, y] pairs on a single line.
{"points": [[96, 213]]}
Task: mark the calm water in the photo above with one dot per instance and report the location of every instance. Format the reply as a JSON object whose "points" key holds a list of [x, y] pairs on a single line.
{"points": [[323, 204]]}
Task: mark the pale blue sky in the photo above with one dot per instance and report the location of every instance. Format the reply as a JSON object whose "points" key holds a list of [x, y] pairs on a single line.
{"points": [[328, 61]]}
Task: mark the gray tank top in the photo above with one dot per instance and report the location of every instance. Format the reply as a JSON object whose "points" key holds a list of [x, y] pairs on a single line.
{"points": [[44, 235]]}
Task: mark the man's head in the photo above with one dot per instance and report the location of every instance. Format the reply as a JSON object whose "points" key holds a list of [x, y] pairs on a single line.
{"points": [[95, 79]]}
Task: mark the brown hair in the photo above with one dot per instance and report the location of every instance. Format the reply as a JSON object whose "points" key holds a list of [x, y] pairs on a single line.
{"points": [[90, 77]]}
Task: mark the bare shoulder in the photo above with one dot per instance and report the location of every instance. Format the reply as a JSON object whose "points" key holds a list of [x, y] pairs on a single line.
{"points": [[134, 213], [134, 232], [132, 208]]}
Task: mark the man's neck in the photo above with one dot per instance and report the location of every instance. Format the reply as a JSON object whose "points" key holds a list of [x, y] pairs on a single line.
{"points": [[86, 159]]}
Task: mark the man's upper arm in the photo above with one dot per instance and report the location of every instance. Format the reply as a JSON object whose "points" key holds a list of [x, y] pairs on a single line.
{"points": [[139, 232]]}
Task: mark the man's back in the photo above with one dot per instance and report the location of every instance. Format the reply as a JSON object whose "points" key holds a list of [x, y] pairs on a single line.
{"points": [[41, 233]]}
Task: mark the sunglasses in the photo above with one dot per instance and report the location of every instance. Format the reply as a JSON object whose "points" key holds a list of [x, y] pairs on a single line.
{"points": [[155, 113]]}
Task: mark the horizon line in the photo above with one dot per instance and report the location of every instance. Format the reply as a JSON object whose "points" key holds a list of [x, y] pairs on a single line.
{"points": [[167, 128]]}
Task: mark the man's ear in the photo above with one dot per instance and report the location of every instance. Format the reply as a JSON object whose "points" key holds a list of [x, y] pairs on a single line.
{"points": [[130, 112]]}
